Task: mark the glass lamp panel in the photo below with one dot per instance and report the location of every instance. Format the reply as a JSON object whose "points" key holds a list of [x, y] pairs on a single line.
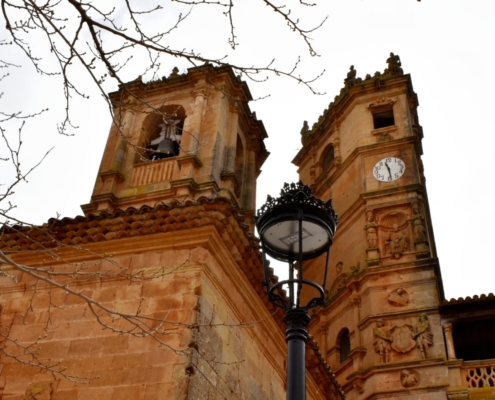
{"points": [[284, 237]]}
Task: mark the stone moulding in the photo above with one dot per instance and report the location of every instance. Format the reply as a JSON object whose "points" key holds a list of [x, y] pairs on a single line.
{"points": [[382, 102], [458, 395], [396, 369]]}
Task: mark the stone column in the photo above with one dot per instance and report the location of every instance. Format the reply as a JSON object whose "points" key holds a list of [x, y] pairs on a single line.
{"points": [[336, 148], [188, 161], [230, 157], [124, 137], [356, 305], [323, 333], [199, 106], [357, 351], [248, 186], [449, 341]]}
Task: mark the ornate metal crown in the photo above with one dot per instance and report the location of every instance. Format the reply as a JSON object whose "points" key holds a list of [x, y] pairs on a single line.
{"points": [[294, 194]]}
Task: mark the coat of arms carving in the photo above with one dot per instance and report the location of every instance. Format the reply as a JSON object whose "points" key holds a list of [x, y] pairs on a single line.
{"points": [[402, 338]]}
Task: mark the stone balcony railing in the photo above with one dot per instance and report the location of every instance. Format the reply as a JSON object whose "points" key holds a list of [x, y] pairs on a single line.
{"points": [[478, 374], [153, 172]]}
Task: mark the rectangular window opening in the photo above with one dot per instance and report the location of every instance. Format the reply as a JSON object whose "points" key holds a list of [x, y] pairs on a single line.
{"points": [[383, 119]]}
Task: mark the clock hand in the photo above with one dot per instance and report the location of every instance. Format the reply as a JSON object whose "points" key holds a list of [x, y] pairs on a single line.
{"points": [[389, 173]]}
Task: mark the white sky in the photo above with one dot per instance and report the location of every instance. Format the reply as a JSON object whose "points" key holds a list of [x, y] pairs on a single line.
{"points": [[447, 47]]}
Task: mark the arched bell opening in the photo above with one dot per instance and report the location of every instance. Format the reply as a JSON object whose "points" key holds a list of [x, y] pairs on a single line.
{"points": [[161, 134]]}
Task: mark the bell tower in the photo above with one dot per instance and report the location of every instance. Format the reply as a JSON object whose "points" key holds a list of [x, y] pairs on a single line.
{"points": [[380, 330], [182, 137]]}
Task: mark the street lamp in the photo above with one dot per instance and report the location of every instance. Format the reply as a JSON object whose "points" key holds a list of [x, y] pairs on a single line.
{"points": [[294, 228]]}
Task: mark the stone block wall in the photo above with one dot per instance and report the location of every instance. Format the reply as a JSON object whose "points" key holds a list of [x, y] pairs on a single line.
{"points": [[95, 359], [211, 336]]}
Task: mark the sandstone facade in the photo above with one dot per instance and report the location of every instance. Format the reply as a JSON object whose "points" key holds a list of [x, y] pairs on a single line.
{"points": [[156, 292]]}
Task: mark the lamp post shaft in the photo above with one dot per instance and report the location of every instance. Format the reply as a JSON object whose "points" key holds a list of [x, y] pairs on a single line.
{"points": [[296, 335], [295, 228]]}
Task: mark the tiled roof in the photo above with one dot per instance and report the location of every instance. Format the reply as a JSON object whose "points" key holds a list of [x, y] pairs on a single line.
{"points": [[174, 216], [469, 299], [321, 371], [105, 226]]}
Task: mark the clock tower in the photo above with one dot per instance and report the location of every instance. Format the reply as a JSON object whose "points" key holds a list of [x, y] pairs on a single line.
{"points": [[380, 330]]}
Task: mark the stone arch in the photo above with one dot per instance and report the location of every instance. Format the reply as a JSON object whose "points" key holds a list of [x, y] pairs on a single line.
{"points": [[344, 344], [328, 156], [173, 117]]}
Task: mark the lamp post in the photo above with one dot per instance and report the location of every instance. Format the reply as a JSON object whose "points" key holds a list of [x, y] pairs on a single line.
{"points": [[294, 228]]}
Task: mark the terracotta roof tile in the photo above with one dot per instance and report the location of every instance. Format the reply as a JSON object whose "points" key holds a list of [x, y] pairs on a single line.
{"points": [[469, 299]]}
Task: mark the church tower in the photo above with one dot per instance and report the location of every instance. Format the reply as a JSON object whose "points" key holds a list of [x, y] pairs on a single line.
{"points": [[380, 330], [183, 137]]}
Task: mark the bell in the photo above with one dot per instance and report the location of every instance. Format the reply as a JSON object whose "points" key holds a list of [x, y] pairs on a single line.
{"points": [[166, 148]]}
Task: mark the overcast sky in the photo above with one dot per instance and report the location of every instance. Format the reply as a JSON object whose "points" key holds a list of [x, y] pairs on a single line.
{"points": [[446, 46]]}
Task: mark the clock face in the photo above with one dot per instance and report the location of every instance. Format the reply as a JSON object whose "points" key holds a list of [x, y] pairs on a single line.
{"points": [[389, 169]]}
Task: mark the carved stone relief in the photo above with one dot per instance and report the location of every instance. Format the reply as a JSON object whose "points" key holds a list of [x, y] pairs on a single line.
{"points": [[392, 233], [409, 378], [323, 330], [389, 237], [403, 338], [339, 284], [371, 228], [399, 297], [423, 336], [372, 237], [382, 341], [396, 244], [419, 231], [304, 131], [355, 269], [394, 225], [39, 391], [382, 101], [351, 79], [394, 65], [370, 217], [355, 301]]}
